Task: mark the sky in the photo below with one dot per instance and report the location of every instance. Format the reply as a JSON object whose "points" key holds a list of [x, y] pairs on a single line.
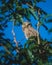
{"points": [[46, 6]]}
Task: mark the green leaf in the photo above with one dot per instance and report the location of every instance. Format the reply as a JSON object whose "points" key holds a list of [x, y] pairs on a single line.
{"points": [[33, 13], [50, 49], [42, 24], [40, 0], [49, 21], [8, 45], [20, 19], [50, 30], [48, 63], [31, 46], [1, 27], [23, 61], [27, 14], [4, 8], [30, 55], [1, 19], [40, 62], [36, 8], [46, 16], [45, 26]]}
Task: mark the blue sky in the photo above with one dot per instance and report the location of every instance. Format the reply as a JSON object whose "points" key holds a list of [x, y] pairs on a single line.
{"points": [[46, 6]]}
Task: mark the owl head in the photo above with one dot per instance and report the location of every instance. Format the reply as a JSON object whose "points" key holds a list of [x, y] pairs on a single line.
{"points": [[25, 25]]}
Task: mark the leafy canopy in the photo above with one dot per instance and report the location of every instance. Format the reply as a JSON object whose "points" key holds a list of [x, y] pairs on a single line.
{"points": [[32, 52]]}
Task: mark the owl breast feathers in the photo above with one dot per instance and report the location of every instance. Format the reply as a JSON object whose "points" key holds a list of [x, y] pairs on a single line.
{"points": [[28, 30]]}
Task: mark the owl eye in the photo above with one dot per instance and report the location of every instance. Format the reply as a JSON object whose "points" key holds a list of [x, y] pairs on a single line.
{"points": [[28, 25]]}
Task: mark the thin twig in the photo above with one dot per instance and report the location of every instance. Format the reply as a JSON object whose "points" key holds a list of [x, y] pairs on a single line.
{"points": [[14, 36], [29, 5], [38, 26], [38, 33], [6, 49]]}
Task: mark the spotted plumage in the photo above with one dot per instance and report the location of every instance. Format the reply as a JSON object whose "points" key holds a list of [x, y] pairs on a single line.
{"points": [[28, 30]]}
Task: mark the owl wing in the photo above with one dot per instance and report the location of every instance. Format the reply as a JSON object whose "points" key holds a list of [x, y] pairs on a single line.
{"points": [[32, 30], [27, 33]]}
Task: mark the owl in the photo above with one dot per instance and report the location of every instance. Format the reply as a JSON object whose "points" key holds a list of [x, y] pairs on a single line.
{"points": [[28, 30]]}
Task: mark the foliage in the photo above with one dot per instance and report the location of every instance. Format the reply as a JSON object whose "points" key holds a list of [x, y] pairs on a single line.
{"points": [[32, 52]]}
